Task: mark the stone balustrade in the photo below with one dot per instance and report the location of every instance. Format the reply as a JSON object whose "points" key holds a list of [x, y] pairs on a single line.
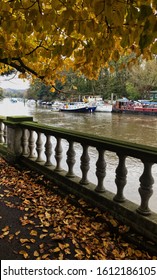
{"points": [[54, 152]]}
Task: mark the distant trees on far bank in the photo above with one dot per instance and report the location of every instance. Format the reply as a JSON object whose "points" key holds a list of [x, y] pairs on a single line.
{"points": [[134, 82]]}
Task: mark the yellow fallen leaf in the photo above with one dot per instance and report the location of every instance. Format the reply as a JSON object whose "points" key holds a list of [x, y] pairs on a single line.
{"points": [[122, 255], [61, 256], [41, 245], [130, 251], [24, 240], [88, 250], [78, 251], [32, 240], [5, 228], [114, 222], [36, 254], [11, 236], [26, 201], [33, 232], [25, 217], [61, 246], [17, 232], [25, 254], [44, 230], [138, 253], [42, 236], [6, 233], [67, 251], [47, 215], [57, 249], [45, 256], [115, 253], [46, 224]]}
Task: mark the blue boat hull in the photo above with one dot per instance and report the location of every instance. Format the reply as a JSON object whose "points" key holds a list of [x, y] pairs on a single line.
{"points": [[79, 110]]}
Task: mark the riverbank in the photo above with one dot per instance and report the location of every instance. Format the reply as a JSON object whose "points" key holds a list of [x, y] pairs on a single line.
{"points": [[39, 221]]}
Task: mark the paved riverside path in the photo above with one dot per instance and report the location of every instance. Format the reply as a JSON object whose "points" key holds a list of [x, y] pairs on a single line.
{"points": [[38, 221]]}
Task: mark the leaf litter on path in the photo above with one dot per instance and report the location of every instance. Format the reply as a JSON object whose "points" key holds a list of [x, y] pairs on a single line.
{"points": [[52, 225]]}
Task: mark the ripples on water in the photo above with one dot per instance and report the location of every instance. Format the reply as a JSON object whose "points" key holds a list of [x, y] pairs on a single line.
{"points": [[135, 129]]}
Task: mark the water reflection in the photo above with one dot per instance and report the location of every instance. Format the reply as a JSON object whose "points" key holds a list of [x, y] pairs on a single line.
{"points": [[136, 129]]}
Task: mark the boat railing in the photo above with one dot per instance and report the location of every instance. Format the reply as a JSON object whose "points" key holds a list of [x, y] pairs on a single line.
{"points": [[66, 156]]}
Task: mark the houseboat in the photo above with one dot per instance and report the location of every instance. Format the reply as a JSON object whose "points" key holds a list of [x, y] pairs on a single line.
{"points": [[126, 106]]}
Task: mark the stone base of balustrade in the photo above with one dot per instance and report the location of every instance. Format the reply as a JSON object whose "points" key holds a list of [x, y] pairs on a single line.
{"points": [[3, 149], [125, 212]]}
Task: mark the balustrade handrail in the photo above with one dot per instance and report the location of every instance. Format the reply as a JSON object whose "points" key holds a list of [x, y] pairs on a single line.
{"points": [[131, 149]]}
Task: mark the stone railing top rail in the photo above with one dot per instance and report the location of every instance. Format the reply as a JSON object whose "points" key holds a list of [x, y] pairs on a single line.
{"points": [[142, 152]]}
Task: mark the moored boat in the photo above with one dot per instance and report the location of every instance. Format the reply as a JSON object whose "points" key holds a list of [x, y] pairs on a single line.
{"points": [[56, 106], [78, 107], [135, 107], [103, 107]]}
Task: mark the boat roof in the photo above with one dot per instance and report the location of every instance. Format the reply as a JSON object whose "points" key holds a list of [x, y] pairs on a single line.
{"points": [[148, 102], [124, 99]]}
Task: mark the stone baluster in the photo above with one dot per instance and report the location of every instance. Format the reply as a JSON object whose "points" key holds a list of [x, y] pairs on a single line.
{"points": [[31, 145], [25, 142], [48, 150], [100, 170], [58, 155], [1, 132], [5, 134], [84, 165], [39, 147], [121, 178], [145, 190], [71, 159]]}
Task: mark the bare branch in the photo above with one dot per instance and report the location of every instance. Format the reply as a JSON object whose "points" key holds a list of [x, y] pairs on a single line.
{"points": [[11, 77], [37, 47], [19, 65]]}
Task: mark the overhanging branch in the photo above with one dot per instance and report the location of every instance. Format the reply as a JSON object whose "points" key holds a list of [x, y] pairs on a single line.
{"points": [[19, 65]]}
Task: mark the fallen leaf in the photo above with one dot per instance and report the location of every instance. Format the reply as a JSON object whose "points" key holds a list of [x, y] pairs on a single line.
{"points": [[36, 254], [33, 233], [88, 250], [57, 249], [138, 253], [11, 236], [25, 254], [6, 233], [17, 233], [45, 256], [5, 229], [114, 222], [24, 240], [32, 240], [42, 236], [47, 215]]}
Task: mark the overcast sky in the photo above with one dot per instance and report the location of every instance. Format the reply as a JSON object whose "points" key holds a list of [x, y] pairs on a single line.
{"points": [[13, 83]]}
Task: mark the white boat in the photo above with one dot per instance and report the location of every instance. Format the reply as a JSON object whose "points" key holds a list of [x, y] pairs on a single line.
{"points": [[101, 106], [56, 106], [31, 102], [78, 107]]}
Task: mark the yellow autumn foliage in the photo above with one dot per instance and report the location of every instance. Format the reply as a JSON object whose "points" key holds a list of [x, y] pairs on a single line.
{"points": [[43, 38]]}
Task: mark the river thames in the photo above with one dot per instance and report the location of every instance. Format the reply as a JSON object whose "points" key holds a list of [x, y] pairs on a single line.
{"points": [[138, 129]]}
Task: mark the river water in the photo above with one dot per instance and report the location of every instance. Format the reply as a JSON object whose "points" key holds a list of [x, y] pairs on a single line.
{"points": [[136, 129]]}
